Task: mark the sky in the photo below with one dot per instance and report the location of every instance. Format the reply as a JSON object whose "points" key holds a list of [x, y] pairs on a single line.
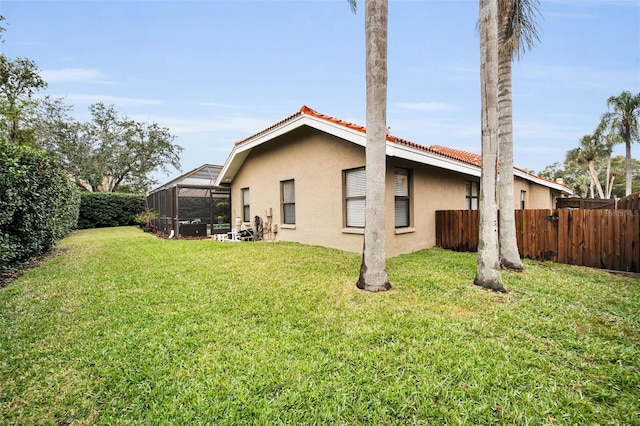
{"points": [[217, 71]]}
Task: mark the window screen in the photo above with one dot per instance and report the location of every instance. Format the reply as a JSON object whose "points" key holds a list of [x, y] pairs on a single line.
{"points": [[355, 187], [289, 202]]}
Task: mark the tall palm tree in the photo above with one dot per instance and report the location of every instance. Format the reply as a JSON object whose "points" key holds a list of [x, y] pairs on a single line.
{"points": [[517, 32], [624, 119], [606, 143], [589, 150], [373, 270], [488, 265]]}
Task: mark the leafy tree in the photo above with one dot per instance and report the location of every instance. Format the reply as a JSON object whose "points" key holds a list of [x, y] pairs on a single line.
{"points": [[111, 152], [552, 172], [19, 80], [373, 273], [488, 265], [623, 118], [517, 32]]}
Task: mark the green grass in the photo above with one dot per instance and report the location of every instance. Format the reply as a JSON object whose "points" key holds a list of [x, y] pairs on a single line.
{"points": [[124, 328]]}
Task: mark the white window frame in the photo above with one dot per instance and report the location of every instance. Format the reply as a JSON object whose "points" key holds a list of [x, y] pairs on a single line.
{"points": [[288, 199], [402, 197], [472, 197], [354, 197], [246, 204]]}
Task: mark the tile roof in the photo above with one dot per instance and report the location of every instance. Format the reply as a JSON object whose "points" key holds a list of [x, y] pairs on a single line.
{"points": [[454, 154]]}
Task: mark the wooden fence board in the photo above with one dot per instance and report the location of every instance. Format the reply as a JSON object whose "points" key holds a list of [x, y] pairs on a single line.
{"points": [[563, 237], [635, 241]]}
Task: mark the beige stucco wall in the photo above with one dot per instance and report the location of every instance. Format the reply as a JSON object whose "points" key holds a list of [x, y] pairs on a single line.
{"points": [[316, 161], [537, 196]]}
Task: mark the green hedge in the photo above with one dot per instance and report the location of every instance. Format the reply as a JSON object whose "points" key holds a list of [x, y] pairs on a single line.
{"points": [[105, 209], [39, 203]]}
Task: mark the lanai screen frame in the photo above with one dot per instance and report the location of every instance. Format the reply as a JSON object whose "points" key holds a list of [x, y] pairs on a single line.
{"points": [[167, 202], [172, 202]]}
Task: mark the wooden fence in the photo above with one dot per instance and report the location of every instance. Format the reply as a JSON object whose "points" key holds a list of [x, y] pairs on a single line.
{"points": [[606, 239], [630, 202]]}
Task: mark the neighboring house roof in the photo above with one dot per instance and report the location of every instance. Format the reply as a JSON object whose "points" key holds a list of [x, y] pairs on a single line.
{"points": [[201, 177], [434, 155]]}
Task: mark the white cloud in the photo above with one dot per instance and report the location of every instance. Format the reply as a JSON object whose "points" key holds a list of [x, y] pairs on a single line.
{"points": [[238, 126], [222, 105], [572, 77], [536, 130], [425, 106], [74, 75], [84, 99], [541, 149]]}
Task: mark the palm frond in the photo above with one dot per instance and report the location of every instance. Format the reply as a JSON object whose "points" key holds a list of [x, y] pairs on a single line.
{"points": [[354, 5], [521, 31]]}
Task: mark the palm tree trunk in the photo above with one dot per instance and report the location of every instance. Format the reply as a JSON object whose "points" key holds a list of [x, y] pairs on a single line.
{"points": [[509, 255], [594, 179], [608, 178], [610, 188], [488, 265], [373, 272], [629, 166]]}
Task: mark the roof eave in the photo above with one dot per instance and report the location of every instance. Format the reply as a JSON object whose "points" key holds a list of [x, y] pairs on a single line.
{"points": [[240, 151], [432, 159], [540, 181]]}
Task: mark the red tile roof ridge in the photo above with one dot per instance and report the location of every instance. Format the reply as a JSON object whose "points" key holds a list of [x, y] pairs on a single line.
{"points": [[273, 126], [308, 111], [457, 154]]}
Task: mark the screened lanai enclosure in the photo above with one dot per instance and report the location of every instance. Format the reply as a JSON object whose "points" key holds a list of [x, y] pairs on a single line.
{"points": [[191, 206]]}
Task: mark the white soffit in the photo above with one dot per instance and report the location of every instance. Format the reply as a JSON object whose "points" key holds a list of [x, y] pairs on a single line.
{"points": [[418, 155]]}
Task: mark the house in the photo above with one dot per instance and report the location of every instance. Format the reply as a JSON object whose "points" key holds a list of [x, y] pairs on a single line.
{"points": [[304, 177]]}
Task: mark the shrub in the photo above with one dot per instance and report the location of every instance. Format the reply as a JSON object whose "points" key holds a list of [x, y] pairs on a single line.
{"points": [[39, 203], [106, 209]]}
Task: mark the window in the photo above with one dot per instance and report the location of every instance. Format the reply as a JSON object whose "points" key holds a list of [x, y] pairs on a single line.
{"points": [[473, 189], [288, 202], [401, 195], [354, 188], [246, 216], [523, 197]]}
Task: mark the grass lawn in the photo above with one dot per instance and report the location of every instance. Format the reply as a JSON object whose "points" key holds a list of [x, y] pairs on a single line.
{"points": [[125, 328]]}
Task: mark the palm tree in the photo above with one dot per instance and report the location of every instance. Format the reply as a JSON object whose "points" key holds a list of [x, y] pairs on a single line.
{"points": [[607, 142], [517, 32], [581, 185], [587, 152], [488, 265], [373, 271], [624, 120]]}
